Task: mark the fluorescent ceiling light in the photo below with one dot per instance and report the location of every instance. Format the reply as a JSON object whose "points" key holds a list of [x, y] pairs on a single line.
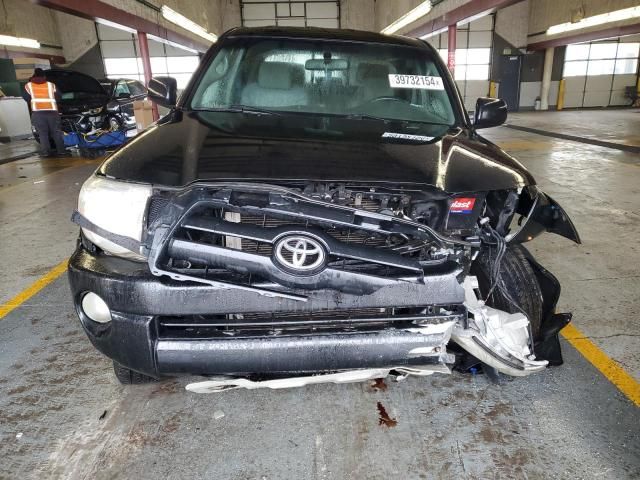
{"points": [[418, 12], [184, 22], [615, 16], [434, 33], [173, 44], [19, 42]]}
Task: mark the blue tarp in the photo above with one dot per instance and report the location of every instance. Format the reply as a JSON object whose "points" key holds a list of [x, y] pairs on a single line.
{"points": [[102, 141]]}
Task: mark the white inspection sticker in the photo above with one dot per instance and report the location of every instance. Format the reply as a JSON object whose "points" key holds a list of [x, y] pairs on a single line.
{"points": [[405, 136], [421, 82]]}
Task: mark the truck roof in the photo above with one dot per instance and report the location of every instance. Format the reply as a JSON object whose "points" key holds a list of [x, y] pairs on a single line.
{"points": [[325, 34]]}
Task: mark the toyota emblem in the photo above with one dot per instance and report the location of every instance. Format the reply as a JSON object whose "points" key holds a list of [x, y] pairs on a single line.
{"points": [[298, 253]]}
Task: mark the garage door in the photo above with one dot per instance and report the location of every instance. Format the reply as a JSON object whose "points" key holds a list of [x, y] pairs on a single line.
{"points": [[473, 57], [122, 60], [596, 74], [310, 13]]}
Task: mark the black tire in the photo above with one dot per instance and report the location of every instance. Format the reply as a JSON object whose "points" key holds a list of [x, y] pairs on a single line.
{"points": [[113, 123], [126, 376], [520, 281]]}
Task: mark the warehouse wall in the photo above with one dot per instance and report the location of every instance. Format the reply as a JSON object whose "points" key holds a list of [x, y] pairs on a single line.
{"points": [[387, 11], [209, 14], [77, 35], [229, 15], [545, 13], [512, 24], [59, 30], [24, 19], [358, 14], [90, 63]]}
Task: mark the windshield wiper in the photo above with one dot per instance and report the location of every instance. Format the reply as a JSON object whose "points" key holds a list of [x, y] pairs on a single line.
{"points": [[241, 109], [364, 116]]}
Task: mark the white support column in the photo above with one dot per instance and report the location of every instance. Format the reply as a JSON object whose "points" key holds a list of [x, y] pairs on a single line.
{"points": [[546, 79]]}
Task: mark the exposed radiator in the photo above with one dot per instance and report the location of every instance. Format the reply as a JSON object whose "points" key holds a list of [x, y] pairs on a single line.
{"points": [[348, 236]]}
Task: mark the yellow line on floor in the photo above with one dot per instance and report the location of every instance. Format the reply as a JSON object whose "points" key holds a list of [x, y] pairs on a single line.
{"points": [[32, 289], [608, 367]]}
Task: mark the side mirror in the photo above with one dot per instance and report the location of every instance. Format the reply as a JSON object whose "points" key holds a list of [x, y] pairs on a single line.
{"points": [[490, 112], [163, 91]]}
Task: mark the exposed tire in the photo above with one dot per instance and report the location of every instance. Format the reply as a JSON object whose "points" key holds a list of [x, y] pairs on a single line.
{"points": [[114, 123], [520, 282], [126, 376]]}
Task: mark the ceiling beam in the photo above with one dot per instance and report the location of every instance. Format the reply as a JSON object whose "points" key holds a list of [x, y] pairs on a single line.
{"points": [[585, 37], [100, 11], [468, 10], [54, 59]]}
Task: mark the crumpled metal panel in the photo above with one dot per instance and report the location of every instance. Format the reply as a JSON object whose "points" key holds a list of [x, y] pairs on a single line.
{"points": [[500, 339]]}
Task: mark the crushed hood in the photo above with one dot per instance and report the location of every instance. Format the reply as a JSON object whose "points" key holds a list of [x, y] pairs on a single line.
{"points": [[193, 147]]}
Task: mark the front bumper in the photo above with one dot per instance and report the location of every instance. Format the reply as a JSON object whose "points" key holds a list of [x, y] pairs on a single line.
{"points": [[138, 300]]}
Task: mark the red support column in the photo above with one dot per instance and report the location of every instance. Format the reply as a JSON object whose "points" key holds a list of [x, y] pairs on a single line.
{"points": [[146, 65], [451, 48]]}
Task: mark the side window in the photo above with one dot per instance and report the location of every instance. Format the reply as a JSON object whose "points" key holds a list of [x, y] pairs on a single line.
{"points": [[143, 89], [122, 89], [216, 88], [136, 88]]}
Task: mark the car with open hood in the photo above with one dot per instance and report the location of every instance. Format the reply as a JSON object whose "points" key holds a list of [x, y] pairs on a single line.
{"points": [[82, 101], [317, 201]]}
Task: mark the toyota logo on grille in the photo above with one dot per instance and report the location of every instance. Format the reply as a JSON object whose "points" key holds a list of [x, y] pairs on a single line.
{"points": [[299, 253]]}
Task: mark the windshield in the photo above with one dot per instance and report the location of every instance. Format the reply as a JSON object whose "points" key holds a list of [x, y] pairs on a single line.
{"points": [[334, 78]]}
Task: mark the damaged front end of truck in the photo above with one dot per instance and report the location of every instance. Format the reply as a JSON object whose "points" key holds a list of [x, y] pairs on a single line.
{"points": [[316, 207], [353, 281]]}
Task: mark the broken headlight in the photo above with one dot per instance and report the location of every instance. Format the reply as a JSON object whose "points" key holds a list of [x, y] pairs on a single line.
{"points": [[117, 207]]}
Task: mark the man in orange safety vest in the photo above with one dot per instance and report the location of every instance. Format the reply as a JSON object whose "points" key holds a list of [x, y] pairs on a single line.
{"points": [[45, 117]]}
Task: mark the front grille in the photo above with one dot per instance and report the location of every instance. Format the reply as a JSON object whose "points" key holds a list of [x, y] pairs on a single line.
{"points": [[227, 238], [297, 323], [329, 314]]}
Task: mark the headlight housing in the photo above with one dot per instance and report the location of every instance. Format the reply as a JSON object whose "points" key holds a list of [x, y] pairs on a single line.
{"points": [[118, 207]]}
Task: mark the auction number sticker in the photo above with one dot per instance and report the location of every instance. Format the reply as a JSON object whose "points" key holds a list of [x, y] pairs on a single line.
{"points": [[421, 82]]}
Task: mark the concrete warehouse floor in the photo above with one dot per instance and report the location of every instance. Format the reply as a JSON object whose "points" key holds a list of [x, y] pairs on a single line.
{"points": [[63, 414]]}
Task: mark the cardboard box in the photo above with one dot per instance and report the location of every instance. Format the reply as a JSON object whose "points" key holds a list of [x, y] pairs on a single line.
{"points": [[142, 110]]}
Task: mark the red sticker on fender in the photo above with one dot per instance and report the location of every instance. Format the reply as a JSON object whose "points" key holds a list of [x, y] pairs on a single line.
{"points": [[462, 205]]}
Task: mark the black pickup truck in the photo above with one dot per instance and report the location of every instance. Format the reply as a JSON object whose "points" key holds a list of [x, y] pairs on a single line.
{"points": [[316, 202]]}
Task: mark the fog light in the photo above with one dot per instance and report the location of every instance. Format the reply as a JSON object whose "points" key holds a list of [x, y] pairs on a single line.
{"points": [[95, 308]]}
